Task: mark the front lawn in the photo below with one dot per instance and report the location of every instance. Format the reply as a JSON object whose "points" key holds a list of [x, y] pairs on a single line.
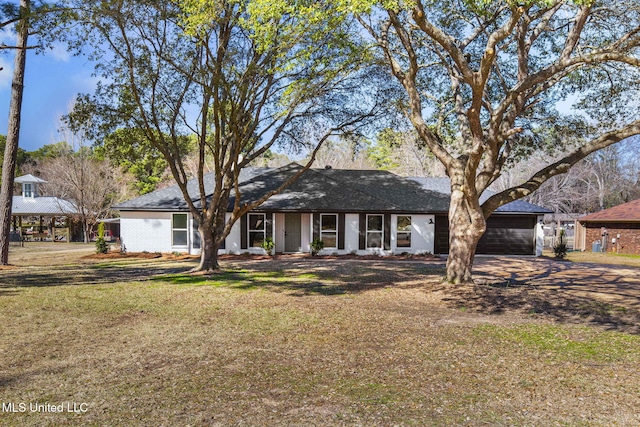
{"points": [[297, 342], [604, 258]]}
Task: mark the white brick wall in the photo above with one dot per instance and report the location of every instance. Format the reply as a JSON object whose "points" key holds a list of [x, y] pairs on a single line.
{"points": [[151, 232], [146, 231], [422, 236]]}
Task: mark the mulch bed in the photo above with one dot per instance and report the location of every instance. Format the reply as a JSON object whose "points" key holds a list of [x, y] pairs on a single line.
{"points": [[232, 257], [137, 255]]}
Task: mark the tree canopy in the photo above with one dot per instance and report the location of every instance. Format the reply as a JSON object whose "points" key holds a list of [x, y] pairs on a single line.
{"points": [[481, 80], [240, 75]]}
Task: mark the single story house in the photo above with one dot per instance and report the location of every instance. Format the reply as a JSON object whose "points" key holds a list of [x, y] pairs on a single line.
{"points": [[616, 229], [351, 211]]}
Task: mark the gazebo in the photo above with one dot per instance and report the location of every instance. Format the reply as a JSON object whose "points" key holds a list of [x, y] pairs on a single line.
{"points": [[34, 217]]}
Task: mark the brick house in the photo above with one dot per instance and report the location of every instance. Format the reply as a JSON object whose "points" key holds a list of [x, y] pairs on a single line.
{"points": [[616, 229]]}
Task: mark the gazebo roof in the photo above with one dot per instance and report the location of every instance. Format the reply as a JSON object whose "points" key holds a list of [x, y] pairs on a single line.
{"points": [[29, 178], [48, 206]]}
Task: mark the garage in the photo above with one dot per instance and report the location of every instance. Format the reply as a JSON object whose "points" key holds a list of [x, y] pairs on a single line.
{"points": [[505, 235]]}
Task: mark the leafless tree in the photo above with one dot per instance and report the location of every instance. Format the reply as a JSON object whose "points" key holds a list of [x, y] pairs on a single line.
{"points": [[90, 184], [343, 154], [603, 179]]}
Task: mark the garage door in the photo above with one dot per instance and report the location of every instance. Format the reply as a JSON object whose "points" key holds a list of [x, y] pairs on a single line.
{"points": [[505, 235]]}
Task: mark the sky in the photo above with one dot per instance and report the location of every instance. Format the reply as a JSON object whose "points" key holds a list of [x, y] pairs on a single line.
{"points": [[52, 81]]}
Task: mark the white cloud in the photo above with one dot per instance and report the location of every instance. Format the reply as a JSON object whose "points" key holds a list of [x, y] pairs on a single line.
{"points": [[7, 35], [59, 53], [85, 81]]}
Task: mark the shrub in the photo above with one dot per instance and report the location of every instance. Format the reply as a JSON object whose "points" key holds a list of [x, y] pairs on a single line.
{"points": [[268, 245], [101, 244], [560, 249], [316, 246]]}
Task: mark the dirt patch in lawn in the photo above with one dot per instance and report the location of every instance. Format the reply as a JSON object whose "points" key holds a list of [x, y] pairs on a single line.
{"points": [[599, 294]]}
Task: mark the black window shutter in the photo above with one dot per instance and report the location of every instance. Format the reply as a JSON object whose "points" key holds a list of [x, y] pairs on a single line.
{"points": [[223, 244], [316, 226], [387, 232], [363, 231], [195, 237], [341, 228], [243, 232], [269, 224]]}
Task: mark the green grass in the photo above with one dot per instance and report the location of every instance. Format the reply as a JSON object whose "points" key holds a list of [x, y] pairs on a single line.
{"points": [[245, 280], [605, 258], [578, 344]]}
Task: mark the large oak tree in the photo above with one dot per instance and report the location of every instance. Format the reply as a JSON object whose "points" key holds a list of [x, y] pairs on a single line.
{"points": [[240, 75], [481, 81]]}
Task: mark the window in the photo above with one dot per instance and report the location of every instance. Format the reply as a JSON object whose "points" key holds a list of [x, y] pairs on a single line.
{"points": [[179, 229], [374, 231], [27, 190], [404, 232], [329, 230], [257, 224]]}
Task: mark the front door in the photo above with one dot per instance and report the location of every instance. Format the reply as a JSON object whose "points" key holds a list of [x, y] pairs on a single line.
{"points": [[292, 232]]}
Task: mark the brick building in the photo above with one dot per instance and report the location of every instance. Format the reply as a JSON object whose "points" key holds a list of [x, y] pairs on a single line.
{"points": [[616, 229]]}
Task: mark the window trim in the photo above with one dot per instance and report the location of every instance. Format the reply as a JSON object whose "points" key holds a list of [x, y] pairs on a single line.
{"points": [[329, 231], [174, 229], [252, 230], [368, 232], [409, 232]]}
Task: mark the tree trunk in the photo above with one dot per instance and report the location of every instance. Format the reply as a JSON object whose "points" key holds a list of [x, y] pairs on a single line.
{"points": [[466, 226], [13, 132], [208, 251], [87, 232]]}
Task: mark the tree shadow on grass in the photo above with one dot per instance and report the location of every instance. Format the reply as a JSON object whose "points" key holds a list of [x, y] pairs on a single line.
{"points": [[604, 297], [84, 275], [302, 277], [297, 277]]}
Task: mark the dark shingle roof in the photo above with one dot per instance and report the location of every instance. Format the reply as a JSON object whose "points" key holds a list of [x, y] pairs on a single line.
{"points": [[339, 190], [171, 199], [325, 190], [443, 185], [629, 211]]}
